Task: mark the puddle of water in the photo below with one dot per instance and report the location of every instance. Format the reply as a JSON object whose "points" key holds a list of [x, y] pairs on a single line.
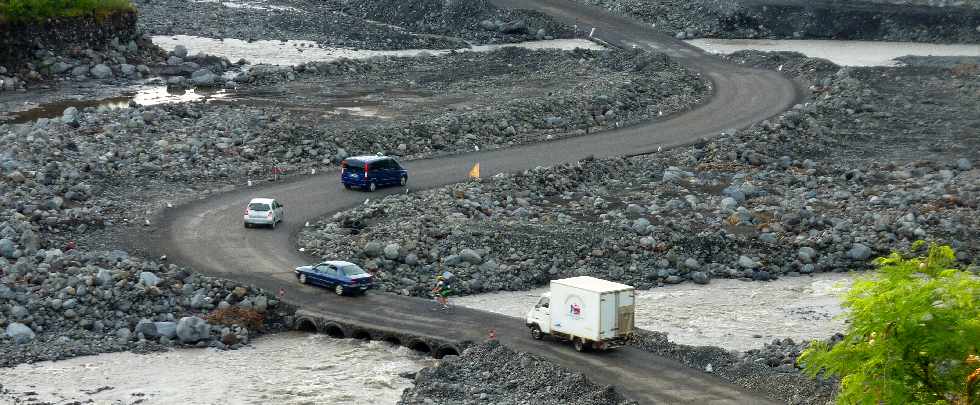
{"points": [[147, 95], [289, 368], [232, 4], [358, 112], [288, 53], [724, 313], [845, 53]]}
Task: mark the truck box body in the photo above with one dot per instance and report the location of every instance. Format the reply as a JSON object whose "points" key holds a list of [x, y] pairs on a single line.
{"points": [[591, 308]]}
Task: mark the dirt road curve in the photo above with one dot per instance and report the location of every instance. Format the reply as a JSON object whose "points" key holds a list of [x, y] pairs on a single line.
{"points": [[208, 235]]}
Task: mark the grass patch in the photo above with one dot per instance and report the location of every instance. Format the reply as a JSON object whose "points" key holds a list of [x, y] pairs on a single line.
{"points": [[39, 10]]}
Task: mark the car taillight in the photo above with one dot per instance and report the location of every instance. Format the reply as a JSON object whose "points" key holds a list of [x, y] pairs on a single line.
{"points": [[269, 215], [365, 169], [246, 211]]}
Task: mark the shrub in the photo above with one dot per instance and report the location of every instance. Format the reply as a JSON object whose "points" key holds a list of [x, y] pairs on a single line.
{"points": [[913, 335], [249, 318], [36, 10]]}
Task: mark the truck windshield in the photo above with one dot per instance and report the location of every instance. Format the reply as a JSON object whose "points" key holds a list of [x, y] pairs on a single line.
{"points": [[545, 301]]}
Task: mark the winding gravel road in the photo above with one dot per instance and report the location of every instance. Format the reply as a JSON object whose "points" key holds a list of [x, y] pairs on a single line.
{"points": [[208, 236]]}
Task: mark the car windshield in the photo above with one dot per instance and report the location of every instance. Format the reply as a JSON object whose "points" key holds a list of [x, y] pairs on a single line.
{"points": [[352, 270], [258, 207]]}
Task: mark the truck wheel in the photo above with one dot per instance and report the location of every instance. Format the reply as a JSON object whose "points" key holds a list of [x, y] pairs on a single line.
{"points": [[536, 332], [580, 345]]}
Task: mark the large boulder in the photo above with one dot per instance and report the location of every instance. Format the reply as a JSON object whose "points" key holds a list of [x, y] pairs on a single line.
{"points": [[20, 333], [859, 252], [100, 71], [7, 248], [470, 256], [203, 77], [192, 329], [149, 279]]}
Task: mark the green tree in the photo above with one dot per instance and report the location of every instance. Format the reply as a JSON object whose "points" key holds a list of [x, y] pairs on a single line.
{"points": [[913, 334]]}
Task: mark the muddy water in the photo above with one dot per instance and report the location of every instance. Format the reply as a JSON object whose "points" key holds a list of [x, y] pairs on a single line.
{"points": [[296, 52], [143, 95], [733, 314], [845, 53], [290, 368]]}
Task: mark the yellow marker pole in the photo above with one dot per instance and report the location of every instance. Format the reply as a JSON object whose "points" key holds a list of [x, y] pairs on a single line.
{"points": [[475, 172]]}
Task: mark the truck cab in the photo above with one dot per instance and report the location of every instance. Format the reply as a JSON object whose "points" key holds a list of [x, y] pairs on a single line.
{"points": [[539, 317]]}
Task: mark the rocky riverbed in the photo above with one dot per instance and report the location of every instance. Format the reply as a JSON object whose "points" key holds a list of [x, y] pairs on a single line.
{"points": [[491, 373], [880, 20], [824, 187], [373, 24]]}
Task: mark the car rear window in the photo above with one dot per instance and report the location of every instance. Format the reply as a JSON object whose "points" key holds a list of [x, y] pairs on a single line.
{"points": [[352, 270], [258, 207]]}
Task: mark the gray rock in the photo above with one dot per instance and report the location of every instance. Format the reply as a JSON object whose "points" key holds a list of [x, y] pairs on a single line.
{"points": [[203, 77], [127, 70], [470, 256], [7, 248], [191, 329], [700, 277], [859, 252], [146, 328], [641, 226], [101, 71], [746, 262], [180, 51], [19, 313], [20, 333], [964, 164], [261, 304], [123, 334], [79, 71], [166, 329], [806, 254], [729, 204], [103, 277], [391, 251], [372, 249], [149, 279], [60, 67], [673, 280]]}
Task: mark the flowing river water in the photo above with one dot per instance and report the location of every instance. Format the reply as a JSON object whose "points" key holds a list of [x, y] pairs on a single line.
{"points": [[299, 368]]}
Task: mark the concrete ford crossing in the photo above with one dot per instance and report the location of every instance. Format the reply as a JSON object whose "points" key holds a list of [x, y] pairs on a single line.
{"points": [[591, 313]]}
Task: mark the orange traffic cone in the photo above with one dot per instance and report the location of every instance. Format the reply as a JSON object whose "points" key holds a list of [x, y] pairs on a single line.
{"points": [[475, 172]]}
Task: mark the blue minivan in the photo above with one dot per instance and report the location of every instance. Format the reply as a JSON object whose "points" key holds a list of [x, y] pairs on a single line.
{"points": [[371, 172]]}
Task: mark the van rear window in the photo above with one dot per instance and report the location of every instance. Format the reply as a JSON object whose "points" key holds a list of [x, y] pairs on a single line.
{"points": [[353, 164]]}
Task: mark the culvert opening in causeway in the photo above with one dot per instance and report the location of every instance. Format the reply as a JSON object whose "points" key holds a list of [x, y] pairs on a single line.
{"points": [[446, 351], [334, 331], [419, 346], [392, 340], [361, 334], [306, 325]]}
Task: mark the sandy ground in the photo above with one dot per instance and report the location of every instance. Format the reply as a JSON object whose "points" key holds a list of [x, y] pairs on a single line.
{"points": [[736, 315]]}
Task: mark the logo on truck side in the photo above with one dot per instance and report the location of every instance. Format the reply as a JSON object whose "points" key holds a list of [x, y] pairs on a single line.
{"points": [[574, 304]]}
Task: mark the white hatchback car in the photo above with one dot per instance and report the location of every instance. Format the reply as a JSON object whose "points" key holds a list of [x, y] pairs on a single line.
{"points": [[263, 211]]}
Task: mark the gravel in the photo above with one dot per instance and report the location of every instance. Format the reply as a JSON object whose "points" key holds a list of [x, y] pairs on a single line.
{"points": [[886, 20], [824, 187], [491, 373], [835, 178], [771, 370], [374, 24]]}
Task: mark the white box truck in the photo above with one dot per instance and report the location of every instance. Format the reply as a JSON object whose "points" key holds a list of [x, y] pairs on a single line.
{"points": [[591, 313]]}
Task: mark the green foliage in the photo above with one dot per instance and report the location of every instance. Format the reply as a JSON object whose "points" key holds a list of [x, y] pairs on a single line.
{"points": [[36, 10], [915, 326]]}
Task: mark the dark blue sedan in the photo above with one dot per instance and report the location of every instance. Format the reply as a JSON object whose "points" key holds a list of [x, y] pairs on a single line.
{"points": [[343, 277]]}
